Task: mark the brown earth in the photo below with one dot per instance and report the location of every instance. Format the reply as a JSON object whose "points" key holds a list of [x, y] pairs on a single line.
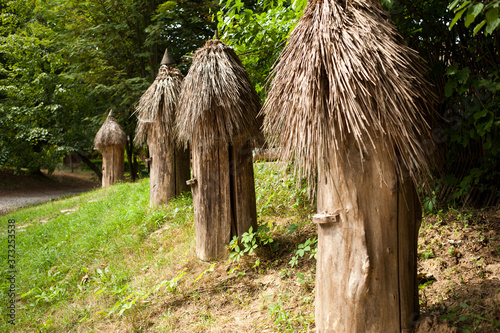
{"points": [[459, 264]]}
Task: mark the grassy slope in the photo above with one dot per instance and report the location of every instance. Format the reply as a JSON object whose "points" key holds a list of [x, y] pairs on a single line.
{"points": [[104, 261]]}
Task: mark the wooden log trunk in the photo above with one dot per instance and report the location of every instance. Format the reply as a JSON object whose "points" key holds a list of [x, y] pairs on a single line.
{"points": [[242, 188], [366, 263], [169, 168], [211, 200], [113, 164], [182, 169], [223, 196]]}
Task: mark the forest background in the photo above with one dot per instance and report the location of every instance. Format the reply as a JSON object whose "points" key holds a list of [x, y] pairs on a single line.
{"points": [[64, 64]]}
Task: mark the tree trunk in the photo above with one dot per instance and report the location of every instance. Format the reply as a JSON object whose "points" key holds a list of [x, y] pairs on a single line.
{"points": [[91, 165], [367, 244], [182, 169], [112, 164], [211, 200], [242, 188], [169, 168], [223, 196]]}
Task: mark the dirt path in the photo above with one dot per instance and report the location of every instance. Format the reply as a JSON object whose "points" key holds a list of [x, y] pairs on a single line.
{"points": [[22, 190]]}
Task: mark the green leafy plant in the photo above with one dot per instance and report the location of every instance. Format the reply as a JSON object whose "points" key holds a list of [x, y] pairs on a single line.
{"points": [[250, 241], [309, 246], [427, 254], [487, 9]]}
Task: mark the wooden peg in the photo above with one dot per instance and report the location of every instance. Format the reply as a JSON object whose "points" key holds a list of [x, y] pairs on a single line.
{"points": [[323, 218]]}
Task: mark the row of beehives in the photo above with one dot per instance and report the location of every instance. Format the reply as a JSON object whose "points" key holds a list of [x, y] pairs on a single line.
{"points": [[348, 104], [213, 110]]}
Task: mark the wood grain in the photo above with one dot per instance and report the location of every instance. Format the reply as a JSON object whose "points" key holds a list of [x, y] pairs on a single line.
{"points": [[365, 281], [112, 164]]}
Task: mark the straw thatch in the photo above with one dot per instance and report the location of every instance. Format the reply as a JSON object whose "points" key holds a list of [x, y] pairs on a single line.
{"points": [[110, 133], [345, 71], [217, 102], [158, 103]]}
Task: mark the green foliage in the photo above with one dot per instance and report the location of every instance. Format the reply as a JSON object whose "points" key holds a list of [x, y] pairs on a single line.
{"points": [[488, 9], [277, 192], [310, 246], [287, 321], [64, 64], [257, 32], [250, 241], [39, 103], [464, 69], [429, 204], [427, 254]]}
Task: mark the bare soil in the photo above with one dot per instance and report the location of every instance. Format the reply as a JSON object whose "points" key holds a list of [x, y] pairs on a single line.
{"points": [[19, 190], [459, 264]]}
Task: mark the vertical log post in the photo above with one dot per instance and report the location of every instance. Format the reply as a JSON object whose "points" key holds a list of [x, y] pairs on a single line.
{"points": [[162, 173], [243, 188], [366, 267], [223, 196], [211, 200], [113, 164]]}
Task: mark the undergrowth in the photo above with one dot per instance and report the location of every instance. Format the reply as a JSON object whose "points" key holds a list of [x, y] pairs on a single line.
{"points": [[103, 260]]}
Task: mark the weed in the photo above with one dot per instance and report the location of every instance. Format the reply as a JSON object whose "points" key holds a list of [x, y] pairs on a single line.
{"points": [[427, 254], [285, 321], [250, 241], [310, 245]]}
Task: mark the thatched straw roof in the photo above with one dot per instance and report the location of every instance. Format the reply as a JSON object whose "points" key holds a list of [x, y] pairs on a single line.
{"points": [[158, 103], [110, 133], [345, 71], [217, 102]]}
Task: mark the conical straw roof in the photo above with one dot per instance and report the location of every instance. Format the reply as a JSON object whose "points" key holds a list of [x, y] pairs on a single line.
{"points": [[167, 59], [345, 71], [158, 103], [110, 133], [217, 102]]}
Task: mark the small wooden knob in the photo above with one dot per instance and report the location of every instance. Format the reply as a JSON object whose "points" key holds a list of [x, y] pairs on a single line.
{"points": [[323, 218], [191, 182]]}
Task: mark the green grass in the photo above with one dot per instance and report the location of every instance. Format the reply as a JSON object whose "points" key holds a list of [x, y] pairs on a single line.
{"points": [[55, 249], [85, 259], [105, 261]]}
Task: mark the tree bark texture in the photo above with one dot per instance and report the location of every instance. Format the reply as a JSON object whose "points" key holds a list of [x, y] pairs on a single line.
{"points": [[182, 169], [113, 164], [366, 261], [169, 168], [223, 196], [243, 200]]}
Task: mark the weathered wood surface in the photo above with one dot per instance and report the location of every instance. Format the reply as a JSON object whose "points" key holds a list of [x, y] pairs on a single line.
{"points": [[169, 170], [113, 164], [211, 200], [243, 188], [365, 280], [409, 218], [182, 169], [161, 170], [223, 196]]}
